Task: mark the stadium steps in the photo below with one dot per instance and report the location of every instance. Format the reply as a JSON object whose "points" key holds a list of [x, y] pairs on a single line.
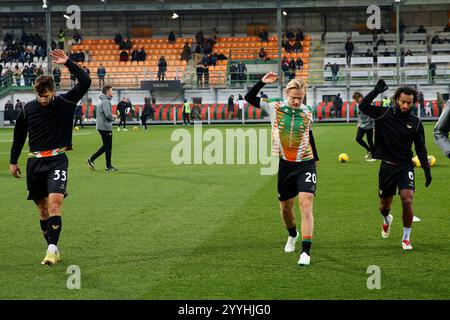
{"points": [[316, 61]]}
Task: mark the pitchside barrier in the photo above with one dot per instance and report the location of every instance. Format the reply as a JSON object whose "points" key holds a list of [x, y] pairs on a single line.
{"points": [[209, 113]]}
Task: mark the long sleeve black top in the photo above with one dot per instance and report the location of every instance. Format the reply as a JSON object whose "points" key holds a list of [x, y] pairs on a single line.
{"points": [[395, 132], [49, 127]]}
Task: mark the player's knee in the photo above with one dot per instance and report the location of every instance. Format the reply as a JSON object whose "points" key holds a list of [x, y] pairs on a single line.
{"points": [[305, 205], [406, 201], [54, 208]]}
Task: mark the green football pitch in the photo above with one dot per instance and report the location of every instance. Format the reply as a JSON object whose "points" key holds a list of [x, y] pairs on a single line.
{"points": [[157, 230]]}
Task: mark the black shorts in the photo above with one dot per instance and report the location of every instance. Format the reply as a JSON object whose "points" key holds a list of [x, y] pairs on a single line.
{"points": [[295, 177], [46, 175], [392, 176]]}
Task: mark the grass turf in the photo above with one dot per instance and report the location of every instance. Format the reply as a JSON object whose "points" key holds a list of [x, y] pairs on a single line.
{"points": [[155, 230]]}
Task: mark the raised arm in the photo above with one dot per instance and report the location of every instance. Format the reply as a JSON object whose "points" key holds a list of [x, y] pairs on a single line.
{"points": [[366, 106], [251, 96], [84, 81]]}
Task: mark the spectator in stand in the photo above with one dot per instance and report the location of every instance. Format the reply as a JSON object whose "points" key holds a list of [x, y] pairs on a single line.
{"points": [[432, 71], [186, 54], [17, 75], [28, 56], [73, 56], [447, 28], [61, 39], [199, 38], [134, 55], [288, 47], [299, 36], [292, 66], [368, 53], [128, 45], [76, 37], [298, 46], [299, 63], [162, 68], [199, 73], [233, 73], [334, 72], [381, 42], [206, 75], [57, 77], [118, 39], [386, 53], [408, 53], [437, 40], [241, 71], [290, 35], [264, 35], [81, 56], [123, 56], [142, 54], [421, 29], [101, 73], [262, 54], [171, 38], [26, 72], [349, 47]]}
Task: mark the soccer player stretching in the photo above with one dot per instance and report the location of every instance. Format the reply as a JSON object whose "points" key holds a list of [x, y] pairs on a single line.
{"points": [[395, 131], [293, 142], [48, 122]]}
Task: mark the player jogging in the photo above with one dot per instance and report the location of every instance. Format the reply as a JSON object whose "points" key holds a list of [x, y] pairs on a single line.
{"points": [[48, 122], [396, 129], [293, 142], [365, 127]]}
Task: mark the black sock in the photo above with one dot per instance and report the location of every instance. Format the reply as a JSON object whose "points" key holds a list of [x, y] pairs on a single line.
{"points": [[54, 229], [306, 246], [44, 224], [292, 231]]}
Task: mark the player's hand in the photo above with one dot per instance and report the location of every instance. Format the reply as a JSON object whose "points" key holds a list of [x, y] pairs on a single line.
{"points": [[58, 56], [427, 178], [15, 170], [381, 86], [270, 77]]}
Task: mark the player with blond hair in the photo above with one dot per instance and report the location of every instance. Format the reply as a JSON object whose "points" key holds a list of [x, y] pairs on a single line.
{"points": [[293, 143]]}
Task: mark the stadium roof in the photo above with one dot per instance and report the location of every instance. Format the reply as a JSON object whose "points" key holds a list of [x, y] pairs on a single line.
{"points": [[24, 6]]}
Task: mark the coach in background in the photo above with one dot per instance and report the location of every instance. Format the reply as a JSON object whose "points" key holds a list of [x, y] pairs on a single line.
{"points": [[396, 129], [105, 118], [442, 129]]}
